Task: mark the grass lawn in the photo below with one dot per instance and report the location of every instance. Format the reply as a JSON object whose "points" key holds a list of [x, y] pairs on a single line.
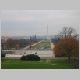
{"points": [[43, 64], [43, 44]]}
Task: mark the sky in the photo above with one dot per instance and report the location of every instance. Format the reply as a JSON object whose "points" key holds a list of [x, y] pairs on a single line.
{"points": [[31, 22]]}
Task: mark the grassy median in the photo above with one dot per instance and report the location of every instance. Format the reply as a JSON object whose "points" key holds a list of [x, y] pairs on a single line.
{"points": [[43, 44]]}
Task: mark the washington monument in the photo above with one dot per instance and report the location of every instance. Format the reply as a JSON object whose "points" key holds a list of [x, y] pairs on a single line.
{"points": [[47, 36]]}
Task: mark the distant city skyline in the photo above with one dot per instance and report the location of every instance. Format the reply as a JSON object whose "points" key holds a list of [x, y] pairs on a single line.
{"points": [[31, 22]]}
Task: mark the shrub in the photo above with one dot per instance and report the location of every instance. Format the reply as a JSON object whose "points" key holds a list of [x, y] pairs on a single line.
{"points": [[31, 57], [2, 55]]}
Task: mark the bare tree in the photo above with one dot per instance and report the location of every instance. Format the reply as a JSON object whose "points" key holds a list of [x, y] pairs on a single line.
{"points": [[68, 32]]}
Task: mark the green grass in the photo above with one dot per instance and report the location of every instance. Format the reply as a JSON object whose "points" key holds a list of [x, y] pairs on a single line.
{"points": [[43, 44], [43, 64]]}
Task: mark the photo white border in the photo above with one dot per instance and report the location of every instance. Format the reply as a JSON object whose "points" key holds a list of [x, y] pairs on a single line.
{"points": [[40, 74]]}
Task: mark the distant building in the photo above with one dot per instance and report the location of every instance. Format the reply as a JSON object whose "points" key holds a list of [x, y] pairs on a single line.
{"points": [[33, 38]]}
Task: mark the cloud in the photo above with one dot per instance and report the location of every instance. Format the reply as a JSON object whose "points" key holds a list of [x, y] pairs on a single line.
{"points": [[19, 22], [24, 18]]}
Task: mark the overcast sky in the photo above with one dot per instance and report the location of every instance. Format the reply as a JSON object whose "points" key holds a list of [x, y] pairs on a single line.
{"points": [[31, 22]]}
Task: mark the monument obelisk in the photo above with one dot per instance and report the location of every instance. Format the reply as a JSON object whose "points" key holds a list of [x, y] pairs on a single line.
{"points": [[47, 33]]}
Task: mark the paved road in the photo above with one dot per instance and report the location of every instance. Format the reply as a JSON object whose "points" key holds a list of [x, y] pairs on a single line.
{"points": [[43, 54]]}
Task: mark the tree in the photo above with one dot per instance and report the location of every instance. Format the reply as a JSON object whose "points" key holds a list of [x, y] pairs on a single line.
{"points": [[67, 32], [10, 43], [68, 47]]}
